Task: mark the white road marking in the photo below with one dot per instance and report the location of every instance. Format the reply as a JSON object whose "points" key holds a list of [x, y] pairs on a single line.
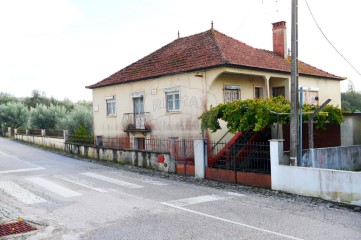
{"points": [[22, 170], [236, 194], [111, 180], [230, 221], [20, 193], [53, 187], [82, 183], [194, 200], [153, 182], [145, 180]]}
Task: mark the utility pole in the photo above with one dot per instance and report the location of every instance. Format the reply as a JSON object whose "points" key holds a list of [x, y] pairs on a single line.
{"points": [[294, 85]]}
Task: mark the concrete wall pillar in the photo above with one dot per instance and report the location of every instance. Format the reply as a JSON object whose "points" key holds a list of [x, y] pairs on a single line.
{"points": [[200, 158], [173, 151], [10, 132], [27, 132], [66, 135], [43, 132], [276, 150]]}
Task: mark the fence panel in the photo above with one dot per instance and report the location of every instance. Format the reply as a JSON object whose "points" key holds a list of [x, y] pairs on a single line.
{"points": [[157, 145], [183, 148], [87, 140], [184, 151], [116, 143], [241, 156], [34, 132], [54, 133]]}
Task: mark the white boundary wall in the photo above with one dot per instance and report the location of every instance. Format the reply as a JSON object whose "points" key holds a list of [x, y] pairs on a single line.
{"points": [[133, 157], [334, 185], [58, 143]]}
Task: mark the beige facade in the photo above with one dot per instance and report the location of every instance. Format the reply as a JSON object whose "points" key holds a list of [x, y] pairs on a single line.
{"points": [[196, 91]]}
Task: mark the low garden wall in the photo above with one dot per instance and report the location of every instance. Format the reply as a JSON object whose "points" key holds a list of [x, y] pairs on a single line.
{"points": [[57, 143], [153, 160], [339, 158], [246, 178], [201, 170], [334, 185], [140, 158]]}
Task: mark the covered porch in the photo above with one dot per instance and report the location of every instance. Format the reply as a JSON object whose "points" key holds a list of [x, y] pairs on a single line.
{"points": [[235, 84], [232, 84]]}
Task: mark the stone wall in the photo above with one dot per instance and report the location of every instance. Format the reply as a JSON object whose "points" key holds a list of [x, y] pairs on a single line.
{"points": [[138, 158]]}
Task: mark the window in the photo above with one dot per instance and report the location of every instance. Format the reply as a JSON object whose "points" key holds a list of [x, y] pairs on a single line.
{"points": [[138, 105], [258, 92], [231, 93], [138, 108], [278, 91], [310, 96], [110, 106], [173, 102]]}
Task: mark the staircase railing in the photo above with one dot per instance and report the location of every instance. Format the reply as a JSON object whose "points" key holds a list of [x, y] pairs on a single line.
{"points": [[254, 138], [220, 140], [237, 149], [212, 160]]}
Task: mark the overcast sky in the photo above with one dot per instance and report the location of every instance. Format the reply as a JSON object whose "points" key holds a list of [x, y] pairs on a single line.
{"points": [[61, 46]]}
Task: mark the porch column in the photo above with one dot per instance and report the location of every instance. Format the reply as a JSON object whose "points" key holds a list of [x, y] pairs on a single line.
{"points": [[266, 83]]}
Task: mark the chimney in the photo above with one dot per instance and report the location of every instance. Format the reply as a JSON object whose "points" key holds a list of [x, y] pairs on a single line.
{"points": [[280, 39]]}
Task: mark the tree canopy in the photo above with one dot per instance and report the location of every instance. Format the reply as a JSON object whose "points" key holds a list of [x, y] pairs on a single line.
{"points": [[351, 101], [41, 112], [13, 114]]}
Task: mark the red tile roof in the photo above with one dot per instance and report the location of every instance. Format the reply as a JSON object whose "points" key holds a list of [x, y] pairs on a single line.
{"points": [[203, 51]]}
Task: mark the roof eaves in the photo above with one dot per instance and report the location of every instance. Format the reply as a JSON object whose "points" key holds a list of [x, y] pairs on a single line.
{"points": [[284, 72], [324, 77], [225, 64], [155, 76]]}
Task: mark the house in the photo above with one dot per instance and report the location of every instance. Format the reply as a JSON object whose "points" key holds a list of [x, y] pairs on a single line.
{"points": [[163, 94]]}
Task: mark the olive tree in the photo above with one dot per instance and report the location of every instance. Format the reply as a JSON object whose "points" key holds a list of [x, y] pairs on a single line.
{"points": [[43, 117], [13, 114], [80, 117]]}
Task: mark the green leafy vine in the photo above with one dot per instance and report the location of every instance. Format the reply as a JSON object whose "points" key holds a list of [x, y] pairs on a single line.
{"points": [[256, 114]]}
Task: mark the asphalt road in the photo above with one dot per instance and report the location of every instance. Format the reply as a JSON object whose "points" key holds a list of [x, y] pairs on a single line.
{"points": [[68, 198]]}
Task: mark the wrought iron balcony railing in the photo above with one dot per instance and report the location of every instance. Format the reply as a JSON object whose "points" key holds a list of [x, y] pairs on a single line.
{"points": [[133, 122]]}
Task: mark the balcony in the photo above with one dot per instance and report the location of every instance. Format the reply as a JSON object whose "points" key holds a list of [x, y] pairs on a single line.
{"points": [[136, 122]]}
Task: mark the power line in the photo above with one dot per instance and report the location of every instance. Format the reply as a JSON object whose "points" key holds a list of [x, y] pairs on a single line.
{"points": [[314, 19]]}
